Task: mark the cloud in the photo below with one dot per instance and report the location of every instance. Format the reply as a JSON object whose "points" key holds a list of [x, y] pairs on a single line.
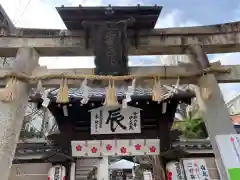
{"points": [[105, 2], [236, 13], [35, 14], [175, 18], [85, 2]]}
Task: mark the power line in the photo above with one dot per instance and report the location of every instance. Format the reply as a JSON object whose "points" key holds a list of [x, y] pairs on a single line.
{"points": [[29, 1], [15, 13]]}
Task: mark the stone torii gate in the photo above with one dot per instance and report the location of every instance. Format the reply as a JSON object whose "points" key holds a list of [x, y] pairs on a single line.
{"points": [[27, 45]]}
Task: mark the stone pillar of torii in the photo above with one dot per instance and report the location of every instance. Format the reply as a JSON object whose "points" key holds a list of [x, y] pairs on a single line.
{"points": [[215, 111], [12, 113]]}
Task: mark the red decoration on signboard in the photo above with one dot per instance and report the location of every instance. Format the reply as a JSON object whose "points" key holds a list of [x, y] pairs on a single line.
{"points": [[169, 175], [123, 150], [232, 139], [109, 147], [152, 149], [78, 148], [138, 147], [94, 150]]}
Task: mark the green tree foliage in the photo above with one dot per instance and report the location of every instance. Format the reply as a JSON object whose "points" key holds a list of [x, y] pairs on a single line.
{"points": [[192, 125], [192, 128]]}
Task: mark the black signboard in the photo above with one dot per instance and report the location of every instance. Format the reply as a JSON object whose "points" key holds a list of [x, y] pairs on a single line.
{"points": [[118, 175], [109, 42]]}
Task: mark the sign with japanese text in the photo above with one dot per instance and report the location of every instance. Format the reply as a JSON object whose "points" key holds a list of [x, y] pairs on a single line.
{"points": [[124, 147], [147, 175], [196, 169], [175, 171], [229, 147], [115, 120], [118, 175]]}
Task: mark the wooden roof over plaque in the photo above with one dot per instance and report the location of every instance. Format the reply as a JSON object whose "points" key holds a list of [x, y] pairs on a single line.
{"points": [[145, 16], [106, 30], [155, 118]]}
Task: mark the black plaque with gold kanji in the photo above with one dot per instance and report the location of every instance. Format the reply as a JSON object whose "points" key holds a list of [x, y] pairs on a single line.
{"points": [[109, 42]]}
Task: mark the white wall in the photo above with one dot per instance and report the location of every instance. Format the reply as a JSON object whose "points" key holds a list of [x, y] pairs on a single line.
{"points": [[234, 108], [29, 171]]}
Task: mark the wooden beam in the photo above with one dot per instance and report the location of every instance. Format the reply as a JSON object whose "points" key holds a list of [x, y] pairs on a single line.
{"points": [[170, 72], [156, 42], [197, 54], [232, 77], [186, 72]]}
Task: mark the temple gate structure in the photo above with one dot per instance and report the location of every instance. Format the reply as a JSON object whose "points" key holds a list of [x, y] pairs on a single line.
{"points": [[133, 111]]}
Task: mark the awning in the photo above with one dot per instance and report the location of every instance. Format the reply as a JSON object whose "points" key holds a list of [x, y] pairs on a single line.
{"points": [[123, 164]]}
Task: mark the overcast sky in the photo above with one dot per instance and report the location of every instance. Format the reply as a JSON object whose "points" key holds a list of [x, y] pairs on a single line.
{"points": [[42, 14]]}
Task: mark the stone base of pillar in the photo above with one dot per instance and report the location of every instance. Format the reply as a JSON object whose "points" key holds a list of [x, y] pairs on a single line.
{"points": [[102, 172]]}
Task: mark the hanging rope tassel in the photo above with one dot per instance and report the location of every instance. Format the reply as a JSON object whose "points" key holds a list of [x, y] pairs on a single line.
{"points": [[206, 92], [107, 94], [201, 104], [9, 92], [157, 92], [58, 100], [62, 96], [65, 98], [154, 90], [111, 96], [40, 89], [40, 86]]}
